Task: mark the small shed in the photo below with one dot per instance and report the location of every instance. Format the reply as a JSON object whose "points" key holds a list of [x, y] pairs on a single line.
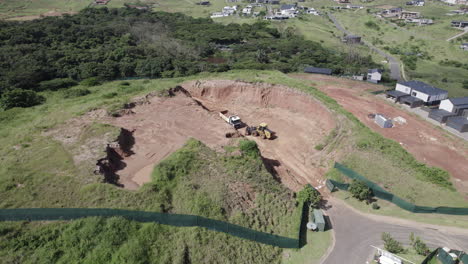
{"points": [[318, 70], [319, 220], [459, 123], [382, 121]]}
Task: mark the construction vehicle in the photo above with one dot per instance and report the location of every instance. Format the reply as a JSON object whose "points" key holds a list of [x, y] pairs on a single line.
{"points": [[233, 120], [261, 130]]}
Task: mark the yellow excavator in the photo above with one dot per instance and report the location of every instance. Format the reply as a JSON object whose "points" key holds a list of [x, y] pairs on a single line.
{"points": [[261, 130]]}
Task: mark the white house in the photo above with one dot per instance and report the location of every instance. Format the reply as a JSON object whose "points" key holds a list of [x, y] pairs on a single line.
{"points": [[454, 105], [455, 2], [219, 14], [229, 10], [374, 75], [288, 10], [312, 11], [247, 10], [419, 90]]}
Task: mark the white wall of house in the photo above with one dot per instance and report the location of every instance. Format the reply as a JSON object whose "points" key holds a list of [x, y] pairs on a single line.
{"points": [[420, 95], [446, 105], [403, 88], [377, 76]]}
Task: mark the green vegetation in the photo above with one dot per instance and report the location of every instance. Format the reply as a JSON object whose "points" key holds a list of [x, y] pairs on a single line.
{"points": [[309, 195], [20, 98], [317, 245], [360, 191], [99, 44], [391, 245], [419, 246]]}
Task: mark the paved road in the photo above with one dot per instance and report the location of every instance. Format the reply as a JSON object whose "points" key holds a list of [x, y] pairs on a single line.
{"points": [[459, 34], [355, 232], [395, 72]]}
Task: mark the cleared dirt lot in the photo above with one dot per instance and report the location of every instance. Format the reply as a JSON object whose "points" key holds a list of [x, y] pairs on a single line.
{"points": [[163, 124], [427, 143]]}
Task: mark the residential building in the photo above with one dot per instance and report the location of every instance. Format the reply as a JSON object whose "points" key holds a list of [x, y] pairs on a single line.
{"points": [[417, 93], [416, 3], [374, 75], [312, 11], [219, 14], [101, 2], [455, 2], [420, 21], [247, 10], [464, 46], [408, 14], [229, 9], [318, 70], [343, 1], [288, 10], [459, 23], [392, 12]]}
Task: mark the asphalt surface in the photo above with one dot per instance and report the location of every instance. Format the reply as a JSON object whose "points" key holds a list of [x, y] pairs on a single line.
{"points": [[395, 72], [355, 233]]}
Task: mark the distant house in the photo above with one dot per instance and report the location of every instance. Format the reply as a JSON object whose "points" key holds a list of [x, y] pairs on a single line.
{"points": [[312, 11], [354, 7], [247, 10], [204, 3], [101, 2], [229, 9], [455, 2], [459, 23], [272, 2], [374, 75], [288, 10], [408, 14], [318, 70], [219, 14], [343, 1], [420, 21], [392, 12], [352, 39], [453, 112], [416, 3], [464, 46]]}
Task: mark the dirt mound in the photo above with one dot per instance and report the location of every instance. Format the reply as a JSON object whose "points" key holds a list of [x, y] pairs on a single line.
{"points": [[162, 125]]}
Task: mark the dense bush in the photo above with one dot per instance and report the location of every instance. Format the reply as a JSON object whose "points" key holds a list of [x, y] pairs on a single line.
{"points": [[372, 25], [249, 147], [309, 195], [118, 43], [419, 246], [359, 190], [57, 84], [92, 81], [20, 98], [391, 245]]}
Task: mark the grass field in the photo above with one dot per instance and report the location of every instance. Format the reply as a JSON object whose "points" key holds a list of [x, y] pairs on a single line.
{"points": [[312, 252]]}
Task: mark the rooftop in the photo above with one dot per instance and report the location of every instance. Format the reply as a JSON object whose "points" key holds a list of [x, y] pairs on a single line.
{"points": [[286, 7], [459, 100], [318, 70], [423, 87]]}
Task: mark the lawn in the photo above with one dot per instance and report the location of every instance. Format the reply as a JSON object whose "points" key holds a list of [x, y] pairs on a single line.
{"points": [[317, 245]]}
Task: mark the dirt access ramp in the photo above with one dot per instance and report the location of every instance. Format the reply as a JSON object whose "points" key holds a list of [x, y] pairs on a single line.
{"points": [[427, 143], [163, 124]]}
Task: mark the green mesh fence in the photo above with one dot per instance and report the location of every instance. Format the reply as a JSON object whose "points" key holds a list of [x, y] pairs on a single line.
{"points": [[49, 214], [445, 258], [385, 195], [429, 257]]}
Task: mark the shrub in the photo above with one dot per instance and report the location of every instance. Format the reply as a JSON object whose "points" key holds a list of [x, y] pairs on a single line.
{"points": [[249, 147], [375, 206], [372, 25], [465, 84], [93, 81], [309, 195], [319, 147], [109, 95], [125, 83], [57, 84], [419, 246], [20, 98], [359, 190], [72, 93], [391, 245]]}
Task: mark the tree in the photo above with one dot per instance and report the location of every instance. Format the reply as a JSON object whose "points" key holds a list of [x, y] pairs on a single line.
{"points": [[20, 98], [309, 195], [419, 246], [465, 84], [359, 190], [391, 245]]}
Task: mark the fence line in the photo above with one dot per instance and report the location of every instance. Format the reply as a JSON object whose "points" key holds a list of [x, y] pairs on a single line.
{"points": [[385, 195], [180, 220]]}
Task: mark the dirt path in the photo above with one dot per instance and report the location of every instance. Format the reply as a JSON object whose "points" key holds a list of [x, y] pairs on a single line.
{"points": [[427, 143], [163, 125]]}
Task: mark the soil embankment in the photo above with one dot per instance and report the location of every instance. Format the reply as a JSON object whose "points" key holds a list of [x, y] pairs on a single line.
{"points": [[163, 124]]}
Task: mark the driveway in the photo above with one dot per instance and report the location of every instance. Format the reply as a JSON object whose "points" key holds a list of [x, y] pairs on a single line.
{"points": [[355, 232], [395, 72]]}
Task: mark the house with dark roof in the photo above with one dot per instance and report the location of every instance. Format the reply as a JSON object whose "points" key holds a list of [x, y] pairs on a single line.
{"points": [[374, 75], [318, 70], [459, 24], [450, 108], [417, 93]]}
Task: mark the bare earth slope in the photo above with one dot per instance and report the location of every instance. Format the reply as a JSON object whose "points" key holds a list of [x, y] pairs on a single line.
{"points": [[427, 143], [163, 124]]}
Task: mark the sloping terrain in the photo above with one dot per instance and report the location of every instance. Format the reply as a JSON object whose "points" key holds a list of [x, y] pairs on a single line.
{"points": [[163, 124]]}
